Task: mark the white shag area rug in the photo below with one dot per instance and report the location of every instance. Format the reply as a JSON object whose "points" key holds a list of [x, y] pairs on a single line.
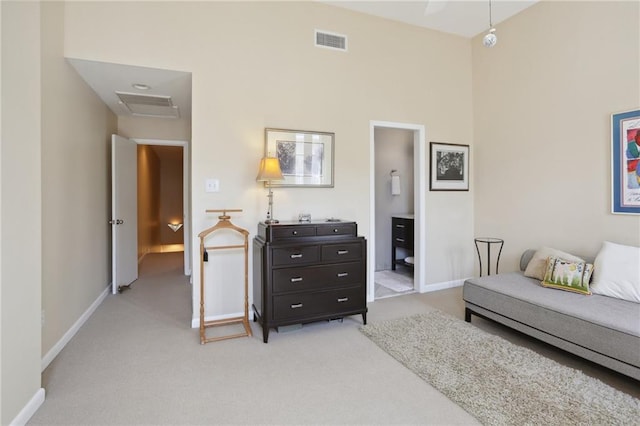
{"points": [[394, 281], [496, 381]]}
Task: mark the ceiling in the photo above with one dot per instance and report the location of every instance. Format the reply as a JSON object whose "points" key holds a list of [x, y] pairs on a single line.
{"points": [[464, 18], [107, 78]]}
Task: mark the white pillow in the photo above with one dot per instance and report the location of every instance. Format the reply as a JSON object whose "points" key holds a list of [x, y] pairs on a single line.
{"points": [[538, 263], [616, 272]]}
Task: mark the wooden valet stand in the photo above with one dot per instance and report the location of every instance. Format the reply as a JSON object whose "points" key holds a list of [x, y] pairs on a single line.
{"points": [[224, 223]]}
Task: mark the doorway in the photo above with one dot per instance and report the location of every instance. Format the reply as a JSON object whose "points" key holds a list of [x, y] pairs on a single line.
{"points": [[410, 139], [163, 199], [394, 212]]}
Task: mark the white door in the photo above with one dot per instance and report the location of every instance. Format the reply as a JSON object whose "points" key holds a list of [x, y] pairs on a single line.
{"points": [[124, 212]]}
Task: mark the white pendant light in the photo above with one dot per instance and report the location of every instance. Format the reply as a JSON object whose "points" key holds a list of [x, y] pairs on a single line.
{"points": [[490, 39]]}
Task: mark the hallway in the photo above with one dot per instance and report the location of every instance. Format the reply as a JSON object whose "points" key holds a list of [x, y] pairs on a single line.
{"points": [[162, 287], [159, 301]]}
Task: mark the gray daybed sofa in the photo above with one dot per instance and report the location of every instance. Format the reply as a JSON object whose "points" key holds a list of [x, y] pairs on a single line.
{"points": [[602, 329]]}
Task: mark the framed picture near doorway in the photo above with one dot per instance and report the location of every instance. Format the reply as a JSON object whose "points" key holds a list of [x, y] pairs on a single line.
{"points": [[306, 158], [449, 167]]}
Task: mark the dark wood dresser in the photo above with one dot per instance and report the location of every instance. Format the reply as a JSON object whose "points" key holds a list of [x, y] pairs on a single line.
{"points": [[305, 272]]}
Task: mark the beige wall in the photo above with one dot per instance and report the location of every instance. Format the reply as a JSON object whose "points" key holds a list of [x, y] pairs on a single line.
{"points": [[542, 101], [76, 129], [55, 196], [20, 191], [272, 76], [148, 200]]}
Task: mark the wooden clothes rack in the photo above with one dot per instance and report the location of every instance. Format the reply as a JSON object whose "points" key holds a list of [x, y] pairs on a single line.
{"points": [[224, 223]]}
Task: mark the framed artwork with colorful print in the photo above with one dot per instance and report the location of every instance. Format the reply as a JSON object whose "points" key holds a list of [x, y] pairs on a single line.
{"points": [[625, 162]]}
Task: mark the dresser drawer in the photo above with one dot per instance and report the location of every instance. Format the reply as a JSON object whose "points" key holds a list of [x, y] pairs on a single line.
{"points": [[316, 277], [295, 255], [299, 305], [402, 224], [294, 232], [402, 232], [400, 240], [399, 230], [341, 252], [336, 229], [343, 274], [343, 300]]}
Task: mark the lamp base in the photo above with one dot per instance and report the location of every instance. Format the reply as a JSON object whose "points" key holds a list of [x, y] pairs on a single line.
{"points": [[270, 221]]}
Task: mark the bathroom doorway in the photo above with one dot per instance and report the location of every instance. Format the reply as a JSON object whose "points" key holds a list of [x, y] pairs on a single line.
{"points": [[397, 182], [394, 260]]}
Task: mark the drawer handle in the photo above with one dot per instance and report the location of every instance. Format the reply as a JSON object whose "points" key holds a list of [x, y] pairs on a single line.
{"points": [[399, 226], [336, 230], [296, 306], [342, 274], [343, 251], [295, 232], [296, 279], [296, 256], [343, 299], [400, 240]]}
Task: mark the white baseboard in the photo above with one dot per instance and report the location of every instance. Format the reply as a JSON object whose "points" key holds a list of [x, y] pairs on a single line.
{"points": [[195, 322], [442, 286], [29, 410], [55, 350]]}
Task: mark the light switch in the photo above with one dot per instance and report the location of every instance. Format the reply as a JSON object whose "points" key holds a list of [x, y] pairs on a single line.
{"points": [[212, 185]]}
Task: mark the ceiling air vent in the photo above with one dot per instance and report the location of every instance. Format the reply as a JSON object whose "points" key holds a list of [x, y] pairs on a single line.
{"points": [[149, 105], [331, 40]]}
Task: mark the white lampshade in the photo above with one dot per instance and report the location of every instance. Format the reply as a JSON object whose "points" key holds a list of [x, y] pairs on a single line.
{"points": [[269, 170]]}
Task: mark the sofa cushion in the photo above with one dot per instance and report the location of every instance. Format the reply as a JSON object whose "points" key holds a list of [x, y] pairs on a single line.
{"points": [[617, 272], [569, 276], [538, 264]]}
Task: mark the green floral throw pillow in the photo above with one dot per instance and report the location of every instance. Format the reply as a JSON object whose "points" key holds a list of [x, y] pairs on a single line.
{"points": [[565, 275]]}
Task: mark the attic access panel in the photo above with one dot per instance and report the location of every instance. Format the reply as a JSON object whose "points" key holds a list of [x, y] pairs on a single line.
{"points": [[149, 105]]}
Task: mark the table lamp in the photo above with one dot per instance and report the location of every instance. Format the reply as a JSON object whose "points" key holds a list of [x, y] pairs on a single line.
{"points": [[269, 171]]}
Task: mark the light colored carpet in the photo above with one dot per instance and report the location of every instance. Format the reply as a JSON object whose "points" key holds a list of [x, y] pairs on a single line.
{"points": [[136, 361], [496, 381], [394, 281]]}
